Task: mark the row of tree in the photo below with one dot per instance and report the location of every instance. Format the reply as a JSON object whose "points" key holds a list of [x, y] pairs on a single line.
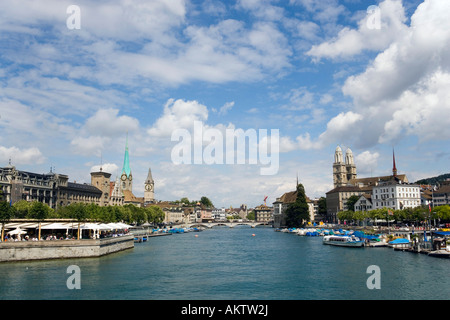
{"points": [[205, 201], [129, 213], [407, 215]]}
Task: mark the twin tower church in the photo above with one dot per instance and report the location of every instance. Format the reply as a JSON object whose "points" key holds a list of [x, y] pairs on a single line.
{"points": [[120, 192], [344, 171]]}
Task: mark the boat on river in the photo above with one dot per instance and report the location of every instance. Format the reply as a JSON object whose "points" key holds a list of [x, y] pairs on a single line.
{"points": [[343, 241], [441, 253]]}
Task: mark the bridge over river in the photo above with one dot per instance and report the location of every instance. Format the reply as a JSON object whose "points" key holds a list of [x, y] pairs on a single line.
{"points": [[252, 224]]}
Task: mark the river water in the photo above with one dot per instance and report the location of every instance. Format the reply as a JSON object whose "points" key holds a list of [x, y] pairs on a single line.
{"points": [[240, 263]]}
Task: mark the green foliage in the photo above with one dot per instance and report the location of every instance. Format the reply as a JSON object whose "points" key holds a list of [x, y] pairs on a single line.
{"points": [[38, 211], [206, 202], [155, 214], [322, 203], [251, 215], [351, 202], [5, 211], [22, 208], [297, 213]]}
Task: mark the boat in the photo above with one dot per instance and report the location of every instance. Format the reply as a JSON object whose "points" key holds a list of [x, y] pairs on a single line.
{"points": [[441, 253], [441, 249], [376, 242], [343, 241], [399, 244]]}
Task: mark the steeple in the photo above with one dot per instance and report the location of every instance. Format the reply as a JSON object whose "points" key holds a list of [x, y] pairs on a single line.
{"points": [[149, 193], [394, 168], [126, 161], [149, 177]]}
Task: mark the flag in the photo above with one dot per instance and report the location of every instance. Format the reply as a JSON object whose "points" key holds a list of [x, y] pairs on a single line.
{"points": [[429, 207], [390, 212]]}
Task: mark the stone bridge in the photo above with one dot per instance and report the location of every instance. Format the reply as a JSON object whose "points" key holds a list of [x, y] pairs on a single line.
{"points": [[227, 224]]}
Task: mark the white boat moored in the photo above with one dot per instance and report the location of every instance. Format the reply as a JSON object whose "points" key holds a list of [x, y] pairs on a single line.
{"points": [[343, 241]]}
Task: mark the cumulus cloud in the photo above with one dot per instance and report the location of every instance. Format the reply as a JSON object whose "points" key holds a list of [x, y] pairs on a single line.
{"points": [[367, 162], [402, 92], [370, 35], [178, 114], [107, 122], [106, 167], [21, 156]]}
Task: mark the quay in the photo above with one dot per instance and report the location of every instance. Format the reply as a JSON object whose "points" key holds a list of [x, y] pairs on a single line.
{"points": [[63, 249], [431, 242]]}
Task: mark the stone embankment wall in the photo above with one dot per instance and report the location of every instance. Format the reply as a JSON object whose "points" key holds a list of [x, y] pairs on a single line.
{"points": [[63, 249]]}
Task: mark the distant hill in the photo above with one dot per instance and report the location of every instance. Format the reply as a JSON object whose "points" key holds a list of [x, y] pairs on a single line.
{"points": [[434, 180]]}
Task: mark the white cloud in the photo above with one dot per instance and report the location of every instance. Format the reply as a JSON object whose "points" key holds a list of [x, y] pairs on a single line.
{"points": [[226, 107], [89, 146], [107, 122], [21, 156], [106, 167], [403, 91], [350, 42], [178, 114], [367, 162]]}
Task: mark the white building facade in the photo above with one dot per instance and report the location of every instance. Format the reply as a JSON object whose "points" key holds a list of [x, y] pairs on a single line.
{"points": [[396, 196]]}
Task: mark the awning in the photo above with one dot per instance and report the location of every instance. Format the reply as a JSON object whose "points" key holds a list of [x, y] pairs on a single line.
{"points": [[399, 241], [442, 233], [55, 226]]}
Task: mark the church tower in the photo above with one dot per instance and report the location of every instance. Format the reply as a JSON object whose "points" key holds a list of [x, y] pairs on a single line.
{"points": [[149, 193], [350, 165], [126, 178], [339, 169], [101, 180]]}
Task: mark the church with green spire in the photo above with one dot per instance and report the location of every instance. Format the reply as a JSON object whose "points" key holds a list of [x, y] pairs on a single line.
{"points": [[126, 178]]}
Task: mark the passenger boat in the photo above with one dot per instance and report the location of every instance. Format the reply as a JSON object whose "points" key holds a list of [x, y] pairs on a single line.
{"points": [[343, 241]]}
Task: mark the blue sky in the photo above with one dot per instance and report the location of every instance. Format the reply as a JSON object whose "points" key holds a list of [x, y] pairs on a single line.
{"points": [[321, 72]]}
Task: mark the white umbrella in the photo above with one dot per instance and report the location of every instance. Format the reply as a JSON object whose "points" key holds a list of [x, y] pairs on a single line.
{"points": [[123, 225], [103, 226], [17, 231]]}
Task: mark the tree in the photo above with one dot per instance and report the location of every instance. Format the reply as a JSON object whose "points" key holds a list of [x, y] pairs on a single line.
{"points": [[22, 208], [347, 215], [5, 215], [38, 211], [322, 203], [206, 202], [76, 211], [185, 201], [251, 215], [155, 214], [351, 202], [442, 212], [297, 213]]}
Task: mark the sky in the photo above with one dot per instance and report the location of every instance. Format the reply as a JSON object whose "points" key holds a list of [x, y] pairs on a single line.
{"points": [[78, 77]]}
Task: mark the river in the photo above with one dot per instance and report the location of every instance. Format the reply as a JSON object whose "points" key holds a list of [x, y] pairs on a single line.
{"points": [[240, 263]]}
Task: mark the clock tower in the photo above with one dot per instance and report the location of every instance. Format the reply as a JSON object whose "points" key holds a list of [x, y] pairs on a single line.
{"points": [[149, 193], [126, 178]]}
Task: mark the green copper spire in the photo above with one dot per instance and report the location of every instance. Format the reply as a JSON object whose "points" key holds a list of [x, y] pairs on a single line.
{"points": [[126, 161]]}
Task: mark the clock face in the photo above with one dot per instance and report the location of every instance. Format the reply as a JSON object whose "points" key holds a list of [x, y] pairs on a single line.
{"points": [[148, 187], [124, 177], [131, 178]]}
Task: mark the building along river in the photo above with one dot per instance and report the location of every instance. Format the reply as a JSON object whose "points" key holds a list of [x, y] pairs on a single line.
{"points": [[239, 263]]}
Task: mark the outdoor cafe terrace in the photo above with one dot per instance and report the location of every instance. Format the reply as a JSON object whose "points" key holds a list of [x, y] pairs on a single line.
{"points": [[29, 231]]}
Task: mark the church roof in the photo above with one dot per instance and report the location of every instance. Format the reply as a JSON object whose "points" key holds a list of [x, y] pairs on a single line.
{"points": [[373, 181], [130, 197], [290, 197]]}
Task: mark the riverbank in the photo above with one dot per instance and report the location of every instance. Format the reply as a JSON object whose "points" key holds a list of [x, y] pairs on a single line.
{"points": [[63, 249]]}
